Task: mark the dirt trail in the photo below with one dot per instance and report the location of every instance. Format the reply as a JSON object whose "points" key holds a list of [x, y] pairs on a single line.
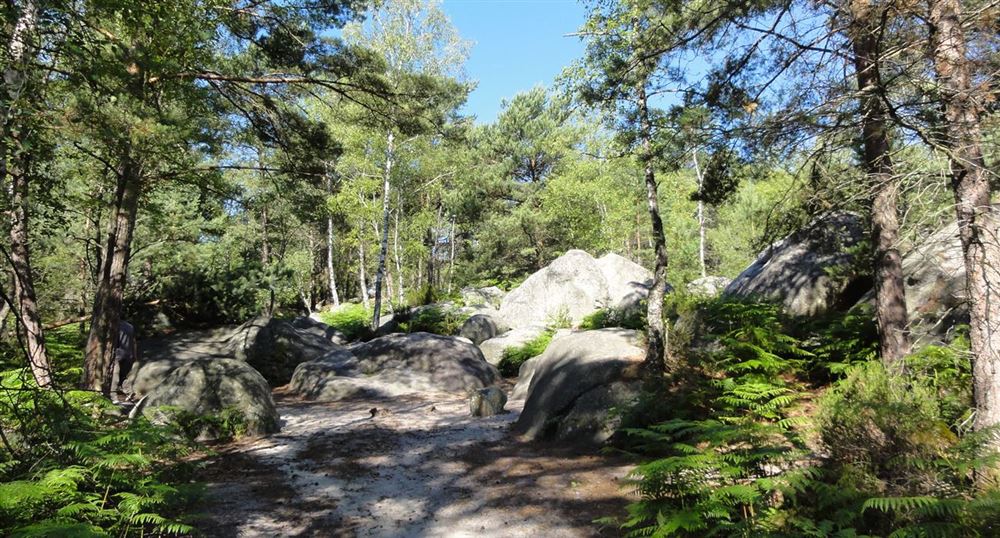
{"points": [[420, 467]]}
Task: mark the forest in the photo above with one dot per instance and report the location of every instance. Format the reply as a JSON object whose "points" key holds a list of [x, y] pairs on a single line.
{"points": [[730, 273]]}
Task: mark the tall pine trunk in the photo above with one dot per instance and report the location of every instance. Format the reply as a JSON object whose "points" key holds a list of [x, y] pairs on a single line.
{"points": [[977, 223], [108, 301], [890, 293], [15, 161], [656, 349], [384, 242]]}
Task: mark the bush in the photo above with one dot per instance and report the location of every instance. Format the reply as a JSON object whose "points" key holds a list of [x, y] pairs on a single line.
{"points": [[612, 317], [434, 319], [351, 319], [885, 428], [512, 359]]}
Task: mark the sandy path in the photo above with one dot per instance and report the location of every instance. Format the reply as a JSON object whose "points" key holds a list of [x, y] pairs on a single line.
{"points": [[420, 467]]}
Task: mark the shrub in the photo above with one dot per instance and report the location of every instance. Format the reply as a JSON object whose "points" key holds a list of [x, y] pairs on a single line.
{"points": [[634, 318], [434, 319], [351, 319], [720, 474], [512, 359]]}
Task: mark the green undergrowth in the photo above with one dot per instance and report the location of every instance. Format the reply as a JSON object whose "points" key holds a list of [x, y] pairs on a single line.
{"points": [[633, 318], [351, 319], [512, 359], [434, 319], [779, 428], [72, 465]]}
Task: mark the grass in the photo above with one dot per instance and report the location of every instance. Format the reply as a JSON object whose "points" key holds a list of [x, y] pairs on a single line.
{"points": [[514, 357]]}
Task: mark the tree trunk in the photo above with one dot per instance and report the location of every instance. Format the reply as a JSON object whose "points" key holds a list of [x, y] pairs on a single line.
{"points": [[977, 223], [657, 355], [331, 276], [100, 350], [265, 244], [396, 253], [384, 244], [701, 216], [451, 257], [15, 161], [890, 293], [362, 281]]}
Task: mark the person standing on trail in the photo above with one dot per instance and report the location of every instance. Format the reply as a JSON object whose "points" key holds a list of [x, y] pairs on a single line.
{"points": [[126, 351]]}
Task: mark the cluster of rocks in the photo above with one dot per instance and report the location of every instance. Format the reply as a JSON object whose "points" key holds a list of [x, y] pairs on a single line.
{"points": [[236, 370], [564, 292], [815, 271]]}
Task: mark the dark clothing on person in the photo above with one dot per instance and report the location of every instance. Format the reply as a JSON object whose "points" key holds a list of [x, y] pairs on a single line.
{"points": [[125, 350]]}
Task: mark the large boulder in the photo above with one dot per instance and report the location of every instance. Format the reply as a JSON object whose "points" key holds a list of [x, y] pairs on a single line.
{"points": [[935, 282], [572, 286], [212, 386], [561, 398], [275, 347], [479, 328], [313, 326], [810, 272], [524, 375], [393, 365], [489, 296], [494, 348], [628, 283]]}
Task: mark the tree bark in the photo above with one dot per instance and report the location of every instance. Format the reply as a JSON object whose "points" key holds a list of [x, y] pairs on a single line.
{"points": [[701, 216], [397, 255], [108, 301], [384, 244], [890, 293], [331, 276], [362, 281], [977, 223], [15, 161], [451, 256], [657, 355]]}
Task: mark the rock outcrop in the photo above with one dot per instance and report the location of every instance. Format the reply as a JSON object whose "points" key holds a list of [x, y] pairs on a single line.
{"points": [[934, 278], [275, 347], [488, 296], [393, 365], [479, 328], [811, 271], [628, 282], [577, 381], [212, 386], [573, 286]]}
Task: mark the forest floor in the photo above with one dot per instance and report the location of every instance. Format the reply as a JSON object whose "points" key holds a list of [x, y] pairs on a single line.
{"points": [[415, 466]]}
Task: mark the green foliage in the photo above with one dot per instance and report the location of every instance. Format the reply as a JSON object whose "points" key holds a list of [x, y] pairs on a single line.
{"points": [[351, 319], [512, 359], [841, 341], [93, 475], [434, 319], [634, 318], [225, 425], [720, 475]]}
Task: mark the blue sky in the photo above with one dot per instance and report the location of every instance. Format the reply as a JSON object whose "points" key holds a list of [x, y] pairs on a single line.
{"points": [[517, 44]]}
